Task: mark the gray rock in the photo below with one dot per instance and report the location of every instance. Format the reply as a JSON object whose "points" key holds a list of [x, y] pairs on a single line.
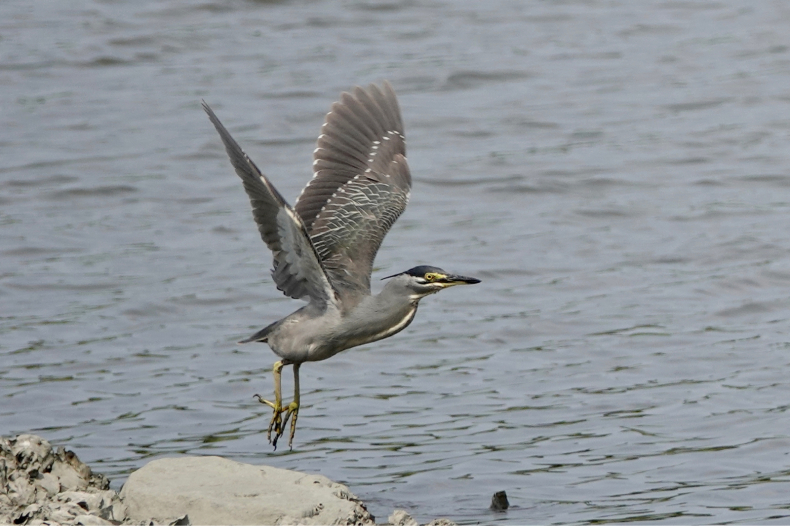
{"points": [[64, 513], [32, 454], [33, 478], [401, 518], [40, 485], [441, 522], [48, 482], [19, 489], [116, 512], [83, 499], [499, 501], [214, 490], [3, 467], [90, 520], [70, 479]]}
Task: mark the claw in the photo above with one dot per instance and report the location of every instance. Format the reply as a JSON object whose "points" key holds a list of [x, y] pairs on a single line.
{"points": [[278, 422]]}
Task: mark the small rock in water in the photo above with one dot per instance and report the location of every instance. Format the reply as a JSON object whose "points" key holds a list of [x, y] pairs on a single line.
{"points": [[499, 501]]}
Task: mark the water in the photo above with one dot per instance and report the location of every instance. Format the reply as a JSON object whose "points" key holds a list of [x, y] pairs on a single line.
{"points": [[615, 172]]}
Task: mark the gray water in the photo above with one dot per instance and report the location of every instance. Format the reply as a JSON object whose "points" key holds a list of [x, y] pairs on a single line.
{"points": [[615, 172]]}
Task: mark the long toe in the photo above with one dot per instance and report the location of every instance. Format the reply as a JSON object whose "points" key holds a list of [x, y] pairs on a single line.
{"points": [[293, 412], [278, 432], [293, 431], [275, 424], [263, 401]]}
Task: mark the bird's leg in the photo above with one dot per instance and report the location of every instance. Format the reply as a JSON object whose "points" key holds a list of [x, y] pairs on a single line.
{"points": [[276, 422], [292, 409]]}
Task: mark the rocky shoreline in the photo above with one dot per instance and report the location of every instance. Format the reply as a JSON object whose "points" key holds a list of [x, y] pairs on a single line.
{"points": [[42, 485]]}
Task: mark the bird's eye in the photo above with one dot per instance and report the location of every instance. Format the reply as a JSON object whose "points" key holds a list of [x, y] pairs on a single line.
{"points": [[431, 276]]}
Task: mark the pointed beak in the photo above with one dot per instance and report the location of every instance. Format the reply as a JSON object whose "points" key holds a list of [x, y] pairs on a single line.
{"points": [[453, 279]]}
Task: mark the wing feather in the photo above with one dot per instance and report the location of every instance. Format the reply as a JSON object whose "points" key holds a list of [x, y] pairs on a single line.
{"points": [[297, 271], [361, 185]]}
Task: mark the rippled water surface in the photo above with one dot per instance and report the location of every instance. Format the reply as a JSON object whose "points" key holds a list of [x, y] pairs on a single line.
{"points": [[615, 172]]}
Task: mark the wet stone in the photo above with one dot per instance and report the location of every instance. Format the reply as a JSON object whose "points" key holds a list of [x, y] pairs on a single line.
{"points": [[499, 501]]}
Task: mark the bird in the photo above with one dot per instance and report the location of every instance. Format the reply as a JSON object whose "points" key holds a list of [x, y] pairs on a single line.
{"points": [[324, 246]]}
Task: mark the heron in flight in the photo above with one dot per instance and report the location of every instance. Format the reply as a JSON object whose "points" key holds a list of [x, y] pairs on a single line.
{"points": [[324, 246]]}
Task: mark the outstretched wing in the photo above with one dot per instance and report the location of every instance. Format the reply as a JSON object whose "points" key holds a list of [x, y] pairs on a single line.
{"points": [[297, 267], [360, 186]]}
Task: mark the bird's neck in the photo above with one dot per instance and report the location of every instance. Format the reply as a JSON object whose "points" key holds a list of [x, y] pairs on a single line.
{"points": [[395, 294], [380, 316]]}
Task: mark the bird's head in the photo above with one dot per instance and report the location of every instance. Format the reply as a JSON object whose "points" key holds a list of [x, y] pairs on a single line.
{"points": [[424, 280]]}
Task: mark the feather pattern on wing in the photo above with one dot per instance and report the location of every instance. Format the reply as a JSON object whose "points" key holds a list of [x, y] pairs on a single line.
{"points": [[297, 271], [360, 186]]}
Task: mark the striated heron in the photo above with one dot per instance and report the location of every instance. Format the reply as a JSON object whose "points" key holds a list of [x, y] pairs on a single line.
{"points": [[324, 246]]}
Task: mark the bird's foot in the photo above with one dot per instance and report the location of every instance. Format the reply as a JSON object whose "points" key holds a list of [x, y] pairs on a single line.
{"points": [[278, 422]]}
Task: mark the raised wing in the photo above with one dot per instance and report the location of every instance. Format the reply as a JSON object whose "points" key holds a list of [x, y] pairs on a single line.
{"points": [[360, 186], [297, 267]]}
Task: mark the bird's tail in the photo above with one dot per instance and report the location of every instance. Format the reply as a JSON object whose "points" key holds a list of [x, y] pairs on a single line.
{"points": [[260, 336]]}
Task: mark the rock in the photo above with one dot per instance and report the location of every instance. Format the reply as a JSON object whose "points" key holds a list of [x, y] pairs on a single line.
{"points": [[83, 471], [90, 520], [499, 501], [214, 490], [33, 454], [40, 485], [26, 514], [3, 468], [48, 482], [33, 478], [401, 518], [65, 513], [113, 513], [83, 499], [70, 478], [20, 490]]}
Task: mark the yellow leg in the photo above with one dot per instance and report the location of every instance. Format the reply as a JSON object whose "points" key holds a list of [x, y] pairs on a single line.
{"points": [[276, 422], [293, 408]]}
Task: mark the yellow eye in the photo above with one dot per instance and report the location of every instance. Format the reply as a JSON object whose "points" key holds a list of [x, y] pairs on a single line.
{"points": [[432, 276]]}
